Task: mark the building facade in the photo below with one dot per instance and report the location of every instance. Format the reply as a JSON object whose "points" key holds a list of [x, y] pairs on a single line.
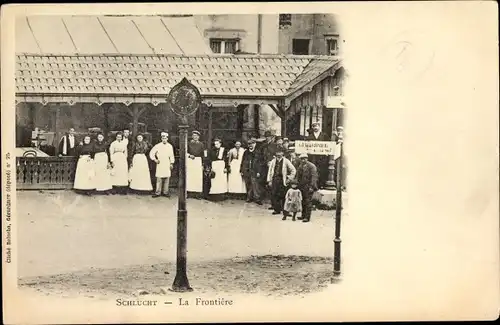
{"points": [[309, 34], [298, 34], [229, 34]]}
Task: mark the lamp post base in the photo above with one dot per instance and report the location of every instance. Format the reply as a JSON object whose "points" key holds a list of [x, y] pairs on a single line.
{"points": [[181, 284]]}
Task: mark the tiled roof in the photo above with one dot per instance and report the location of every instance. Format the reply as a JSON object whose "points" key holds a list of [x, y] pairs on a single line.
{"points": [[314, 69], [109, 34], [154, 75]]}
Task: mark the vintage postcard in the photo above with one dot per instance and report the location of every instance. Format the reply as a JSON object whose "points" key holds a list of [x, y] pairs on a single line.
{"points": [[239, 162]]}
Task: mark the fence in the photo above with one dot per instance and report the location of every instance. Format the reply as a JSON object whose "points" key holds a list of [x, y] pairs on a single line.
{"points": [[45, 172], [57, 173]]}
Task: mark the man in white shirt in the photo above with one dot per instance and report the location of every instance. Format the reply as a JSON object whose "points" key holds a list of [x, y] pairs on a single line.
{"points": [[67, 145], [126, 136], [320, 161], [163, 155]]}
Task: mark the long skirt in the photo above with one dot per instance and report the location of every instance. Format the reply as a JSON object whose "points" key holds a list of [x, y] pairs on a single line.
{"points": [[102, 173], [119, 173], [140, 178], [85, 174], [219, 182], [194, 175], [235, 181]]}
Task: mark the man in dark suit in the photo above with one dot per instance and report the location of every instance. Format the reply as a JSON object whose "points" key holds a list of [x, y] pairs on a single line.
{"points": [[68, 144], [267, 152], [320, 161], [307, 179], [251, 167]]}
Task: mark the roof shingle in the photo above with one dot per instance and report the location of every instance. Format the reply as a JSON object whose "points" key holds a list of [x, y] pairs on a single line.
{"points": [[215, 75]]}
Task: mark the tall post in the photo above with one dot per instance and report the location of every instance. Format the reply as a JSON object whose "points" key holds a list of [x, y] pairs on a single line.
{"points": [[56, 126], [135, 119], [259, 34], [184, 99], [338, 215], [330, 182], [256, 119], [181, 282], [283, 120]]}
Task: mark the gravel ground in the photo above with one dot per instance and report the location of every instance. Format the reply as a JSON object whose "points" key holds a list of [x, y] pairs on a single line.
{"points": [[119, 245], [276, 275]]}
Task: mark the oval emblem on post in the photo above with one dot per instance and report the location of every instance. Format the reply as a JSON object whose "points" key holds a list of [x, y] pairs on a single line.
{"points": [[184, 98]]}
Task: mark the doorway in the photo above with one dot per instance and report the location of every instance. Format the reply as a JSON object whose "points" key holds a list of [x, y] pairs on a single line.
{"points": [[225, 123]]}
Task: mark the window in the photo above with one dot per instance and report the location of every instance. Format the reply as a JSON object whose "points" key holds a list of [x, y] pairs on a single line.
{"points": [[300, 46], [285, 20], [224, 46], [332, 45]]}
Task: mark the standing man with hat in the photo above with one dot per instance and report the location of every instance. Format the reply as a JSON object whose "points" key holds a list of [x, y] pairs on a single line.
{"points": [[194, 164], [307, 178], [163, 155], [251, 167], [281, 172], [321, 162], [268, 150]]}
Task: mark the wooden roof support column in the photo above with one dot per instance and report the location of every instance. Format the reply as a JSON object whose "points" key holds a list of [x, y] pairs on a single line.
{"points": [[280, 110], [256, 119]]}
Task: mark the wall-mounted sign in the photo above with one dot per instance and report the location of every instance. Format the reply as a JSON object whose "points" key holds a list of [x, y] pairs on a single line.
{"points": [[326, 148], [335, 102]]}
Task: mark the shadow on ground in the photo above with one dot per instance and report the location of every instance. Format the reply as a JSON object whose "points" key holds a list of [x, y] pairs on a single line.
{"points": [[272, 275]]}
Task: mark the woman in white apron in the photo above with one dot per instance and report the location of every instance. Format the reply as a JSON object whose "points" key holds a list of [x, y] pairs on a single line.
{"points": [[102, 163], [140, 177], [119, 173], [236, 184], [194, 166], [85, 172], [219, 165]]}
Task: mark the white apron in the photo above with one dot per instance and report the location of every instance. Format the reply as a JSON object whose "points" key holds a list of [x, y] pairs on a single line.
{"points": [[85, 174], [119, 173], [219, 182], [140, 179], [102, 173], [194, 175], [235, 181]]}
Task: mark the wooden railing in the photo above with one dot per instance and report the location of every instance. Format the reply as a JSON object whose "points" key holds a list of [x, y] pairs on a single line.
{"points": [[57, 173], [45, 172]]}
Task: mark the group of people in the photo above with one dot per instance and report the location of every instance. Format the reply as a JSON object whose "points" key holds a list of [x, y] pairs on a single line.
{"points": [[269, 170], [121, 165]]}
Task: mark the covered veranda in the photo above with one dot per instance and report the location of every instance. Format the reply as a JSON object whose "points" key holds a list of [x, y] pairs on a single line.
{"points": [[116, 91]]}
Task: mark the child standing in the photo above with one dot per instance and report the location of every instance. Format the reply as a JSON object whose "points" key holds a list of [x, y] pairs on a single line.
{"points": [[293, 201]]}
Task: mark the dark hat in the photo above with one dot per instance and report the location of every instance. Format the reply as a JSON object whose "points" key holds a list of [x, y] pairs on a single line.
{"points": [[196, 132], [293, 181], [252, 140], [277, 137], [268, 134], [315, 123], [217, 139]]}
